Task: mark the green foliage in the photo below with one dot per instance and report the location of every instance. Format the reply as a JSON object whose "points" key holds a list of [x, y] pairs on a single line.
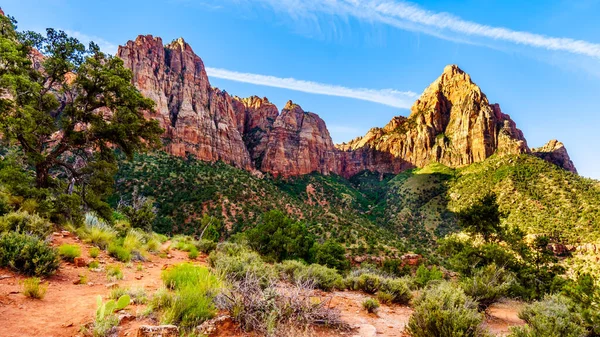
{"points": [[425, 275], [94, 252], [46, 107], [584, 293], [367, 282], [488, 285], [278, 238], [137, 296], [189, 308], [141, 213], [27, 254], [106, 320], [554, 316], [371, 305], [395, 290], [114, 273], [23, 222], [206, 246], [187, 274], [119, 252], [193, 253], [388, 289], [444, 310], [235, 261], [69, 252], [316, 275], [331, 254], [33, 288], [483, 218]]}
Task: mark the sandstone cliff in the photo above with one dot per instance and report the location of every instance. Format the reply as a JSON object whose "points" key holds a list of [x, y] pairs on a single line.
{"points": [[451, 123], [555, 153], [198, 120]]}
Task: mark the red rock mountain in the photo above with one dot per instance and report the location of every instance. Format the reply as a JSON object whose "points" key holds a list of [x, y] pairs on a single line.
{"points": [[452, 123]]}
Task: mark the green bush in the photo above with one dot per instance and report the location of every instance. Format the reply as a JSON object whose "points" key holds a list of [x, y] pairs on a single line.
{"points": [[193, 253], [94, 252], [25, 223], [444, 310], [234, 261], [553, 316], [188, 308], [488, 285], [367, 282], [138, 295], [371, 305], [69, 252], [317, 275], [99, 235], [330, 254], [424, 275], [187, 274], [114, 273], [32, 288], [28, 254], [396, 290], [119, 252], [206, 246]]}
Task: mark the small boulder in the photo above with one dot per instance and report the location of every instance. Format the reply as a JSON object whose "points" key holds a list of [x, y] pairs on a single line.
{"points": [[209, 327], [158, 331], [80, 262]]}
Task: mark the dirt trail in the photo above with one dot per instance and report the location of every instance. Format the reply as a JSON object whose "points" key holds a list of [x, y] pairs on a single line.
{"points": [[68, 306]]}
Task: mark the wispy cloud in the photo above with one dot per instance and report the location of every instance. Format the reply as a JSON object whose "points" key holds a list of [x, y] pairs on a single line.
{"points": [[390, 97], [409, 16], [105, 46]]}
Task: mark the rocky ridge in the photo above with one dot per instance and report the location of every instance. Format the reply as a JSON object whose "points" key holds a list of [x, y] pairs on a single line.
{"points": [[452, 123]]}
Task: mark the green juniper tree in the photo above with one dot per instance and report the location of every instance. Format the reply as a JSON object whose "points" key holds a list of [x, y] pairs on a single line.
{"points": [[68, 108]]}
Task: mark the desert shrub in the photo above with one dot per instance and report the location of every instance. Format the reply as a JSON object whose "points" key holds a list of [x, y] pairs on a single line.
{"points": [[288, 268], [187, 274], [278, 238], [330, 254], [371, 305], [69, 252], [584, 293], [119, 252], [553, 316], [320, 276], [206, 246], [187, 299], [444, 310], [28, 254], [94, 252], [488, 285], [94, 265], [33, 288], [396, 290], [193, 253], [114, 273], [25, 223], [269, 309], [425, 275], [367, 282], [234, 261]]}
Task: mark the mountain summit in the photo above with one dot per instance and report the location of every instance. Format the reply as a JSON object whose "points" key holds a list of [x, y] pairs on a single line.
{"points": [[452, 123]]}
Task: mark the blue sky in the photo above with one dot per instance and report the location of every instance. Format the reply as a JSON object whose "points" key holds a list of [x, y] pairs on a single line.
{"points": [[539, 59]]}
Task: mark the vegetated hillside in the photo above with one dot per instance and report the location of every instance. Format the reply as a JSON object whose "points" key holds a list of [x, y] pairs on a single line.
{"points": [[534, 194], [185, 188]]}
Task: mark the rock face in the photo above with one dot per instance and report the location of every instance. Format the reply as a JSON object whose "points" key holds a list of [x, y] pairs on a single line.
{"points": [[451, 123], [197, 119], [555, 153], [299, 143]]}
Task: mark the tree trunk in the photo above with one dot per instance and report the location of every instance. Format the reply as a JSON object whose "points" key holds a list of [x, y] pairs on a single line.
{"points": [[41, 175]]}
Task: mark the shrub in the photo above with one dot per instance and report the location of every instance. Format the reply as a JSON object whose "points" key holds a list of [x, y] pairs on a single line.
{"points": [[99, 236], [488, 285], [424, 275], [193, 253], [94, 252], [552, 316], [396, 290], [94, 265], [25, 223], [28, 254], [331, 254], [235, 261], [270, 310], [138, 295], [83, 279], [69, 252], [206, 246], [188, 308], [114, 273], [187, 274], [371, 305], [119, 252], [444, 310], [32, 288], [367, 282], [319, 276]]}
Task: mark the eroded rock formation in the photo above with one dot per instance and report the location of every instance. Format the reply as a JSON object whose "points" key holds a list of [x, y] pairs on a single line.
{"points": [[451, 123], [555, 153]]}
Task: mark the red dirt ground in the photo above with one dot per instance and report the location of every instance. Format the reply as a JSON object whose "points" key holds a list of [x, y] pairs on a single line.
{"points": [[68, 306]]}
